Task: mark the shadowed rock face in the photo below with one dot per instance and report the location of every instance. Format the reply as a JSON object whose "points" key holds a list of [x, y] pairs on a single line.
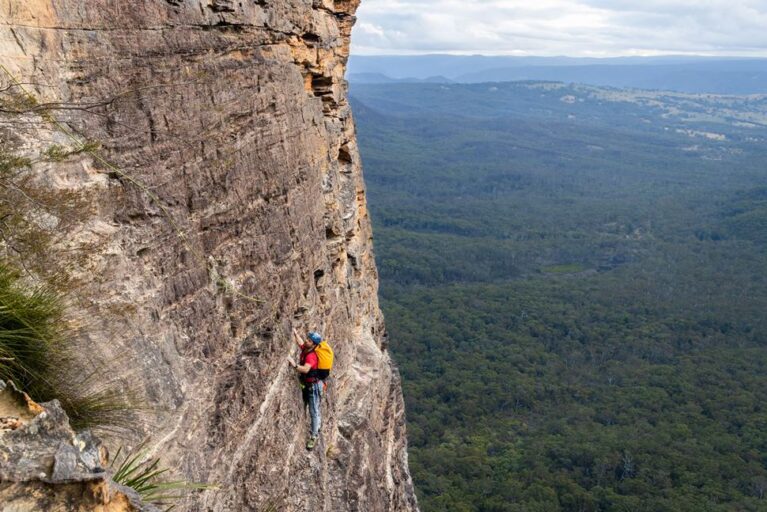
{"points": [[226, 207]]}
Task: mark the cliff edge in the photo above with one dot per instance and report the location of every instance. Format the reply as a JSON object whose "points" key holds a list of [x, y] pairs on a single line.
{"points": [[224, 206]]}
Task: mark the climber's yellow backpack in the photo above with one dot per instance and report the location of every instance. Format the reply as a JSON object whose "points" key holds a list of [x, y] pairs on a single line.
{"points": [[325, 360]]}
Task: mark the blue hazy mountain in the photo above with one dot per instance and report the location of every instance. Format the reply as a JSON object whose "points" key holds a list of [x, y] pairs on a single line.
{"points": [[453, 66], [380, 78], [674, 73]]}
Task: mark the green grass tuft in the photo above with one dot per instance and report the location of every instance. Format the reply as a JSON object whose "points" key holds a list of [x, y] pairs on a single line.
{"points": [[36, 353], [146, 477], [29, 333]]}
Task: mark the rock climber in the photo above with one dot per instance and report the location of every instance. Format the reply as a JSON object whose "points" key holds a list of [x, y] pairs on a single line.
{"points": [[311, 385]]}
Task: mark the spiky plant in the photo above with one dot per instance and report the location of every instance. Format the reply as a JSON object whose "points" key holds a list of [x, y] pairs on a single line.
{"points": [[36, 353], [146, 477], [29, 333]]}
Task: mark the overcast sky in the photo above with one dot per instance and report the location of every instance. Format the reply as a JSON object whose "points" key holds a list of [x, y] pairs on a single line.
{"points": [[562, 27]]}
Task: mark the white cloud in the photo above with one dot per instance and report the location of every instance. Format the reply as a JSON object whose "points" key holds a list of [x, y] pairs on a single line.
{"points": [[563, 27], [371, 30]]}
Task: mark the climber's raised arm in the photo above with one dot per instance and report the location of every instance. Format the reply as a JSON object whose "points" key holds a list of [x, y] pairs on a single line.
{"points": [[297, 338]]}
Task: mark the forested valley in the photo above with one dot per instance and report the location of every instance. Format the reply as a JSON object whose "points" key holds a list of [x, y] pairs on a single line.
{"points": [[575, 284]]}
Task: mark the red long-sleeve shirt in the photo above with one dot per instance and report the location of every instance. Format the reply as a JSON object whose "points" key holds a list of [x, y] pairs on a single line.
{"points": [[312, 360]]}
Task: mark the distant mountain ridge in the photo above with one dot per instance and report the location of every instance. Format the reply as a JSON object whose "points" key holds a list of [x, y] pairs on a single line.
{"points": [[380, 78], [674, 73]]}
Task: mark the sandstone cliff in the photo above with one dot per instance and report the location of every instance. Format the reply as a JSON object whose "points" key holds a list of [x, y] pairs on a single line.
{"points": [[225, 206], [44, 465]]}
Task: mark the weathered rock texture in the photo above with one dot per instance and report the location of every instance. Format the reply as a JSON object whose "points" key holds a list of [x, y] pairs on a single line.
{"points": [[44, 465], [235, 210]]}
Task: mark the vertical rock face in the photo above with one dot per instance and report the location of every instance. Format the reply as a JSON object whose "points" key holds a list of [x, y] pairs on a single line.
{"points": [[226, 207]]}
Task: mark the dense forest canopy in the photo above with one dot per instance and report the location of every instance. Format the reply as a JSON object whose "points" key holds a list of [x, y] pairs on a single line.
{"points": [[575, 282]]}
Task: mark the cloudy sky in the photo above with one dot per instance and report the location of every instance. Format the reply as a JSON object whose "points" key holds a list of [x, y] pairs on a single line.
{"points": [[562, 27]]}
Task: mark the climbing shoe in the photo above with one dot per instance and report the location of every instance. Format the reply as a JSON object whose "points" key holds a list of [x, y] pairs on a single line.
{"points": [[311, 442]]}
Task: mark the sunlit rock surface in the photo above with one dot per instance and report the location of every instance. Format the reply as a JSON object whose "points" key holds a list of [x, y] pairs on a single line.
{"points": [[44, 465], [226, 206]]}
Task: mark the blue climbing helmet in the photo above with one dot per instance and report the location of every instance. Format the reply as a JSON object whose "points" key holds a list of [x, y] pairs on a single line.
{"points": [[315, 337]]}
